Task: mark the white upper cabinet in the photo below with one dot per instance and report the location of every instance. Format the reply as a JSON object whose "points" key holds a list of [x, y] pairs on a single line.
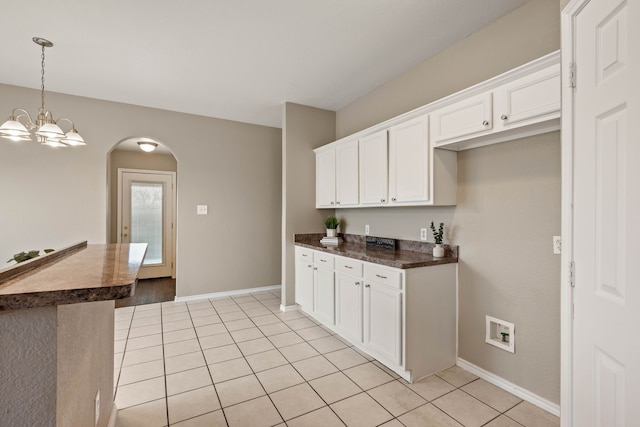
{"points": [[374, 169], [347, 174], [409, 161], [530, 99], [326, 178], [471, 116]]}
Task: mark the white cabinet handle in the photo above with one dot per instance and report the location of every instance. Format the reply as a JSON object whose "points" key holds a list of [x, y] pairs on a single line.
{"points": [[382, 277], [305, 255], [349, 267], [323, 260]]}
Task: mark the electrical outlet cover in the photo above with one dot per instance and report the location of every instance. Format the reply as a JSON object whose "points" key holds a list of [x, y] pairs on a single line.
{"points": [[423, 234]]}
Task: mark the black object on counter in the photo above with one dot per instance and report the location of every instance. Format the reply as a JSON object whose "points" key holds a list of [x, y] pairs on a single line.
{"points": [[381, 242]]}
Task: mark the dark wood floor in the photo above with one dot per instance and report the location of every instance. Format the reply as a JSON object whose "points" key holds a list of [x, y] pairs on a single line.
{"points": [[149, 291]]}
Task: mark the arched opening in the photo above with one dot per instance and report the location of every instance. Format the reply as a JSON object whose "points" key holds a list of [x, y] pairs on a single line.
{"points": [[142, 202]]}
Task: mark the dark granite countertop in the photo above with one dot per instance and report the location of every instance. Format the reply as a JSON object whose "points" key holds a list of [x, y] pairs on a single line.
{"points": [[79, 273], [408, 253]]}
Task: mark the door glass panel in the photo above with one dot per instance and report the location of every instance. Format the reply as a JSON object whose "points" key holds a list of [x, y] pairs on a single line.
{"points": [[146, 219]]}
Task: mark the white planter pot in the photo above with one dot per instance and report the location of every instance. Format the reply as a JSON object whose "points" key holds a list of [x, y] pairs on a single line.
{"points": [[438, 251], [331, 232]]}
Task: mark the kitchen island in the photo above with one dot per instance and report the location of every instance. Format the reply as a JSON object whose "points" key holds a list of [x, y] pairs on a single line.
{"points": [[56, 334]]}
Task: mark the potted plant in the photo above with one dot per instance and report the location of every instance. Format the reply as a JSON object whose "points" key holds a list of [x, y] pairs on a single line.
{"points": [[331, 223], [438, 251]]}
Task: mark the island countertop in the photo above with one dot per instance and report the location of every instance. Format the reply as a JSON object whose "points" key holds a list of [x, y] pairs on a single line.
{"points": [[409, 253], [79, 273]]}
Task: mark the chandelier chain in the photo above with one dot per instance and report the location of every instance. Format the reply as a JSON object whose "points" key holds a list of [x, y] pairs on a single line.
{"points": [[42, 110]]}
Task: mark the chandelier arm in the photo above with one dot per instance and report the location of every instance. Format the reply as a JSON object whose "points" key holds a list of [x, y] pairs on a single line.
{"points": [[73, 126], [30, 125]]}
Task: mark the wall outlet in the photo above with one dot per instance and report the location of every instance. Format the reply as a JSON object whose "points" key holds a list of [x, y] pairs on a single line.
{"points": [[202, 209], [557, 245], [423, 234], [366, 229], [97, 407]]}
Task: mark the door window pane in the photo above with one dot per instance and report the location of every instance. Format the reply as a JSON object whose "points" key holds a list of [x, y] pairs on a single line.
{"points": [[146, 219]]}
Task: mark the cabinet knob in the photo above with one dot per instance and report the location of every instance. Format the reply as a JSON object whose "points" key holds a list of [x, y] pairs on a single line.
{"points": [[367, 286], [357, 283], [315, 268], [486, 123], [332, 203], [382, 200], [504, 117], [309, 266], [393, 199], [337, 203]]}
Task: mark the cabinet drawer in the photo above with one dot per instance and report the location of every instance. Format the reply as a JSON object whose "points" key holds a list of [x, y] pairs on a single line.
{"points": [[323, 260], [349, 266], [304, 254], [383, 276]]}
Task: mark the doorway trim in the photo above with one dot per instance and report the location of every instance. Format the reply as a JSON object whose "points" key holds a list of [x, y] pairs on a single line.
{"points": [[173, 209]]}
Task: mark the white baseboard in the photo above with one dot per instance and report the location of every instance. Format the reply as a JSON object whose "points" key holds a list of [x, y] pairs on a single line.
{"points": [[228, 293], [113, 417], [286, 308], [510, 387]]}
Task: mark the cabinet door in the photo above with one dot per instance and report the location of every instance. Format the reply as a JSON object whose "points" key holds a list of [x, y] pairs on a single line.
{"points": [[530, 99], [326, 178], [324, 296], [304, 285], [383, 321], [349, 307], [374, 169], [409, 161], [464, 118], [347, 174]]}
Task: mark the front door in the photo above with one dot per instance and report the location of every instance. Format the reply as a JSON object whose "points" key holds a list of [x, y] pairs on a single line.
{"points": [[606, 214], [145, 215]]}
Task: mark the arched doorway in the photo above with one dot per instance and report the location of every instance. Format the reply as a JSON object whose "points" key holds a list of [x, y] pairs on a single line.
{"points": [[142, 208]]}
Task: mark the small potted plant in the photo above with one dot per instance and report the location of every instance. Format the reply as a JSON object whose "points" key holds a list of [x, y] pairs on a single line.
{"points": [[331, 223], [438, 251]]}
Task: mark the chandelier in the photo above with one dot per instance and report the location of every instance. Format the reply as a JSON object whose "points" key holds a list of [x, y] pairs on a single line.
{"points": [[46, 129]]}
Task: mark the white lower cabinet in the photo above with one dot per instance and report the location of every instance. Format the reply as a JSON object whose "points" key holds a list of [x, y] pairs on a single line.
{"points": [[304, 279], [406, 319], [383, 321], [324, 289]]}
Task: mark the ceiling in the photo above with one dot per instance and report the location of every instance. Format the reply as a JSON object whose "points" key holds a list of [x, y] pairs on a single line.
{"points": [[232, 59]]}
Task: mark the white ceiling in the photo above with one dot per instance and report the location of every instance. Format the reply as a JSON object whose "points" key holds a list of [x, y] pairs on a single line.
{"points": [[233, 59]]}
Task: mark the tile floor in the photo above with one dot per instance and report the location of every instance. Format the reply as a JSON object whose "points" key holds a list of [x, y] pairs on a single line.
{"points": [[239, 361]]}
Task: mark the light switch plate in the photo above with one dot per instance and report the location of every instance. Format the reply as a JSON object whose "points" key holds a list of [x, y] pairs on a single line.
{"points": [[557, 245], [202, 209], [366, 229]]}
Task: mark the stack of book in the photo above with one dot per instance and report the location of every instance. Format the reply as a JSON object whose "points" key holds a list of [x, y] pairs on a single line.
{"points": [[331, 241]]}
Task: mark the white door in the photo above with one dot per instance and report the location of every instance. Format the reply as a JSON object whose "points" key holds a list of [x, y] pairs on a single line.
{"points": [[324, 295], [606, 214], [347, 174], [326, 178], [349, 307], [145, 215], [383, 321], [374, 169], [409, 161]]}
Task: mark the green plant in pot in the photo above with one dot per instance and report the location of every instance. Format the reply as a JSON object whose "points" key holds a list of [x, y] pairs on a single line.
{"points": [[438, 251], [332, 223]]}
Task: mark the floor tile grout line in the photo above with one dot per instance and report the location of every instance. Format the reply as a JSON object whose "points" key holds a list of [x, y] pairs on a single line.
{"points": [[164, 367], [213, 384]]}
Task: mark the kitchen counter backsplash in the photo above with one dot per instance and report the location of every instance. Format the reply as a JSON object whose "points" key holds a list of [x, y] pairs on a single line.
{"points": [[408, 253]]}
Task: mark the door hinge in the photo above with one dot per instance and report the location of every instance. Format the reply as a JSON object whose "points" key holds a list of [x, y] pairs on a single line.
{"points": [[572, 274], [572, 75]]}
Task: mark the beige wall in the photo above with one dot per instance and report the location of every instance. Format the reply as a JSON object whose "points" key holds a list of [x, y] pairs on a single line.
{"points": [[508, 201], [125, 159], [303, 129], [52, 198]]}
